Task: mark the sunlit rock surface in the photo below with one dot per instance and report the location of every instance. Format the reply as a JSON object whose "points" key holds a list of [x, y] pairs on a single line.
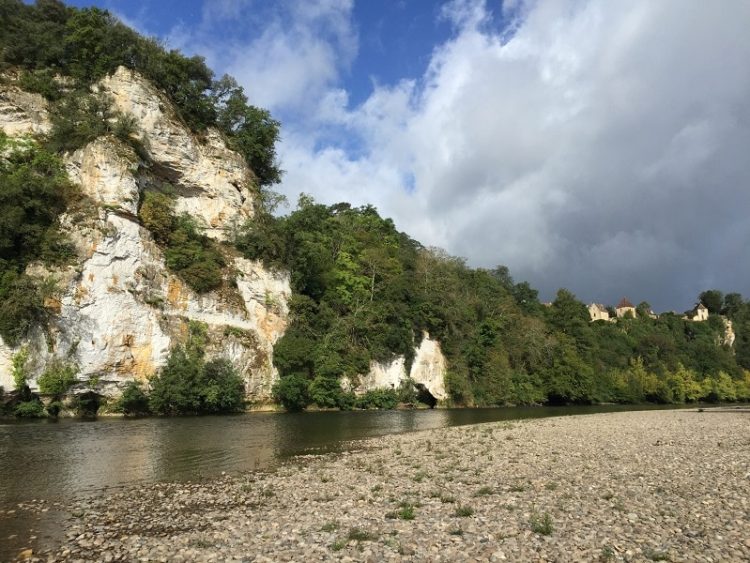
{"points": [[119, 310]]}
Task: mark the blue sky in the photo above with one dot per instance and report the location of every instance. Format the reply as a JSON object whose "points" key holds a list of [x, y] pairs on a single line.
{"points": [[598, 145]]}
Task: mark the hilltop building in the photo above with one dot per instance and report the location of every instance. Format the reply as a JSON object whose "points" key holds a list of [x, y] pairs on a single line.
{"points": [[624, 307], [700, 313], [598, 312]]}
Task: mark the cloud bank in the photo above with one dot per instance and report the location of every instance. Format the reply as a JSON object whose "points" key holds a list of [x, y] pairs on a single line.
{"points": [[595, 145]]}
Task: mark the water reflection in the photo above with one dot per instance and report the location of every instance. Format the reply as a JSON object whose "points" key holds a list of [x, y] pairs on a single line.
{"points": [[68, 458]]}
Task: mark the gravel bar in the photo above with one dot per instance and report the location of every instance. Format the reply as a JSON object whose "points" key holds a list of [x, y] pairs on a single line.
{"points": [[635, 486]]}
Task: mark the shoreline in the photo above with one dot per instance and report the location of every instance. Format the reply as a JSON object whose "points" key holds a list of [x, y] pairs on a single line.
{"points": [[639, 485]]}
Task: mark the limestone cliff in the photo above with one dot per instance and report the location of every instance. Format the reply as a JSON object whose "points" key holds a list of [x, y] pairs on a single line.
{"points": [[427, 372], [119, 309]]}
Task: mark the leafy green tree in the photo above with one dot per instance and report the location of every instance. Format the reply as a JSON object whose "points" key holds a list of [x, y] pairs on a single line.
{"points": [[57, 377], [733, 304], [133, 401], [188, 384], [292, 392], [713, 300]]}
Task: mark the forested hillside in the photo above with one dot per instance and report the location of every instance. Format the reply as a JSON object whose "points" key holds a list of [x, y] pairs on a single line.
{"points": [[363, 291]]}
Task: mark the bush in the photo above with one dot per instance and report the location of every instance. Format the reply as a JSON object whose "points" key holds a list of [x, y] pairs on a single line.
{"points": [[87, 404], [133, 400], [35, 192], [188, 253], [292, 392], [326, 392], [193, 256], [222, 389], [378, 399], [190, 385], [20, 370], [30, 409], [57, 378], [54, 408], [79, 118], [156, 214], [42, 82]]}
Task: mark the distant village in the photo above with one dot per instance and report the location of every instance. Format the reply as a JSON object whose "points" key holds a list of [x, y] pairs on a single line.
{"points": [[625, 309]]}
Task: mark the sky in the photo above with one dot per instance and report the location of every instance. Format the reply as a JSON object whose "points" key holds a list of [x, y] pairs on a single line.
{"points": [[596, 145]]}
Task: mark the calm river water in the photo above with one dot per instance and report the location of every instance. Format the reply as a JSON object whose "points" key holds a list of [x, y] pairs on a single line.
{"points": [[70, 458]]}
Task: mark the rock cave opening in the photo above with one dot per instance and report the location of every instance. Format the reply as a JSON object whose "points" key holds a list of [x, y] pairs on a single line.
{"points": [[87, 404], [424, 395]]}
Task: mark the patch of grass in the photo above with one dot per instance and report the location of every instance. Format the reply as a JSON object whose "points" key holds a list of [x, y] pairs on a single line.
{"points": [[358, 534], [329, 526], [406, 512], [655, 555], [420, 476], [376, 488], [542, 524], [607, 554], [201, 543], [484, 491], [551, 486], [338, 545], [463, 511], [517, 488]]}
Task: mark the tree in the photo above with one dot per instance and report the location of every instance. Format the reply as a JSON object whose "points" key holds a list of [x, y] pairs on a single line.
{"points": [[292, 392], [733, 304], [713, 300]]}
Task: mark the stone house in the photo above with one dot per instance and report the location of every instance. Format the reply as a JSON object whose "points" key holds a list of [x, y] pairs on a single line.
{"points": [[598, 312], [700, 313], [624, 307]]}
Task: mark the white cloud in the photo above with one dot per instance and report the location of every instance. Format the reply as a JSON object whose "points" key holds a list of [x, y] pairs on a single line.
{"points": [[298, 56], [600, 147]]}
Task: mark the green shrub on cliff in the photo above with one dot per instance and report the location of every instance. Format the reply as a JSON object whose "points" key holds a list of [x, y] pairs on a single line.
{"points": [[133, 401], [188, 384], [188, 252], [35, 192], [57, 378]]}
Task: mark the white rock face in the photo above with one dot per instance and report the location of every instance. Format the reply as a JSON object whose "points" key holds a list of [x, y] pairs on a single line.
{"points": [[22, 113], [121, 310], [729, 335], [213, 182], [428, 370], [6, 367], [106, 171], [383, 376]]}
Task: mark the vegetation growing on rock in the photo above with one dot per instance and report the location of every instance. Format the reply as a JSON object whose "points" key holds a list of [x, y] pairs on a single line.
{"points": [[189, 253], [48, 39], [189, 384], [35, 191]]}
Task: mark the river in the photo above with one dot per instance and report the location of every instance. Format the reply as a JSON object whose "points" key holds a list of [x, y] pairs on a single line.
{"points": [[64, 459]]}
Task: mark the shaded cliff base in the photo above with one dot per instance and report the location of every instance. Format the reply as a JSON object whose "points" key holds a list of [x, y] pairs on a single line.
{"points": [[635, 486]]}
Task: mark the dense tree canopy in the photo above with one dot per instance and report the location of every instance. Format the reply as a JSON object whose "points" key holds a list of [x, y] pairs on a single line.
{"points": [[365, 292]]}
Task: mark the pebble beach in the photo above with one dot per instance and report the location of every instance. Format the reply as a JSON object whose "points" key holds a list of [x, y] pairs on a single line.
{"points": [[634, 486]]}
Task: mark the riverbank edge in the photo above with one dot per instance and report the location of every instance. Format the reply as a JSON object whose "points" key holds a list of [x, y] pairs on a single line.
{"points": [[198, 520]]}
